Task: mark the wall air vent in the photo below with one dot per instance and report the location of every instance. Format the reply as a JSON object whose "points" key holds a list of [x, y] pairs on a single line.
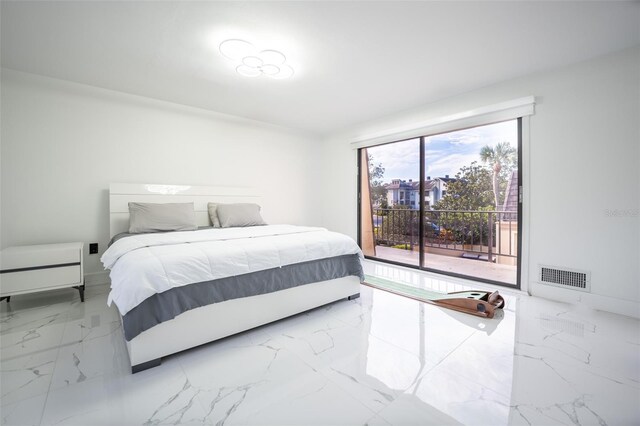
{"points": [[565, 278]]}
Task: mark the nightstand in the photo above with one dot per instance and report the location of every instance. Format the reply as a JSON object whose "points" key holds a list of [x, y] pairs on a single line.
{"points": [[28, 269]]}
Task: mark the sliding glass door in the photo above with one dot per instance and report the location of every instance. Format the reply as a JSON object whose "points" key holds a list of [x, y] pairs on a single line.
{"points": [[394, 199], [448, 203]]}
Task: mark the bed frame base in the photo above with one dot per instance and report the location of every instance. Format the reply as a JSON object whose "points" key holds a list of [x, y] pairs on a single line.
{"points": [[145, 365], [192, 328], [156, 362]]}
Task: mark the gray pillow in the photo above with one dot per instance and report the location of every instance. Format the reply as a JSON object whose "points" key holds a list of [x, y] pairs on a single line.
{"points": [[153, 217], [241, 214], [213, 214]]}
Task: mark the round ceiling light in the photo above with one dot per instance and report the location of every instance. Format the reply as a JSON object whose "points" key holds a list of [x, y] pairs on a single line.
{"points": [[270, 69], [285, 72], [236, 49], [253, 63], [273, 57], [248, 71]]}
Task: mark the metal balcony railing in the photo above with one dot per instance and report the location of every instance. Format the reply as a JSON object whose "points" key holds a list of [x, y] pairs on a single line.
{"points": [[486, 233]]}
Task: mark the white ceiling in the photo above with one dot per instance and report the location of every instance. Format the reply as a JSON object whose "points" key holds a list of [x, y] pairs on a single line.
{"points": [[355, 61]]}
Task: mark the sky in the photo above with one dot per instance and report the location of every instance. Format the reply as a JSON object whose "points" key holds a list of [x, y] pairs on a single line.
{"points": [[444, 154]]}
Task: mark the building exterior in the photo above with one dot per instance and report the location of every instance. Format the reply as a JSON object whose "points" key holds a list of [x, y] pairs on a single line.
{"points": [[510, 203], [507, 245], [407, 193], [435, 189], [403, 193]]}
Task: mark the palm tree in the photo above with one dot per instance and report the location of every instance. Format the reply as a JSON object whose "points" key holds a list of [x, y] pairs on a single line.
{"points": [[502, 153]]}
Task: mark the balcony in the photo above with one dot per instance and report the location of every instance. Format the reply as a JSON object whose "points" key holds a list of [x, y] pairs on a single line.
{"points": [[481, 244]]}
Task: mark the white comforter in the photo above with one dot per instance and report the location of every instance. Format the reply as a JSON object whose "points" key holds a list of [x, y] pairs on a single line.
{"points": [[146, 264]]}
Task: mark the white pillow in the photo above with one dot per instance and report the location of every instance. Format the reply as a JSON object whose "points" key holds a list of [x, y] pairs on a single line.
{"points": [[154, 217], [240, 214], [213, 214]]}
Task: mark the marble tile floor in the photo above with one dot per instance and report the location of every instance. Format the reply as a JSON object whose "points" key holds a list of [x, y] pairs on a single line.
{"points": [[378, 360]]}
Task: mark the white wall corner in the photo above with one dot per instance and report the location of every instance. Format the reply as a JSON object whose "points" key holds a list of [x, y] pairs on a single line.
{"points": [[598, 302], [96, 278]]}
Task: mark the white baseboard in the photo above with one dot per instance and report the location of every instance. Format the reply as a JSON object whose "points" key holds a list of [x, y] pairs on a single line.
{"points": [[96, 278], [599, 302]]}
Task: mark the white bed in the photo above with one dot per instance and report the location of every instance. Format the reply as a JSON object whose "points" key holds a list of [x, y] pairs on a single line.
{"points": [[230, 317]]}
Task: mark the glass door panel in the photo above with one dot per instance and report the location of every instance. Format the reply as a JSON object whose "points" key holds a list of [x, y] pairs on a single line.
{"points": [[471, 192], [390, 201]]}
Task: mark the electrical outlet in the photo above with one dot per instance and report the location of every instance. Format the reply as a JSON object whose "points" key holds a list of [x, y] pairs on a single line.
{"points": [[93, 248]]}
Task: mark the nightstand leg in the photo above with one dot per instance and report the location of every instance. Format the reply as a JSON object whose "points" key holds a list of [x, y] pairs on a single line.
{"points": [[5, 297], [80, 288]]}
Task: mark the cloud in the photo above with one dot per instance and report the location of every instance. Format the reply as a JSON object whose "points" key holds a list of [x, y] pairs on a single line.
{"points": [[401, 160], [456, 138], [449, 164], [445, 154]]}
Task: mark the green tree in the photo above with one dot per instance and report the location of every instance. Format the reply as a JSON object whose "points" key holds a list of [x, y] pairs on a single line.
{"points": [[471, 190], [457, 213], [503, 154], [378, 191]]}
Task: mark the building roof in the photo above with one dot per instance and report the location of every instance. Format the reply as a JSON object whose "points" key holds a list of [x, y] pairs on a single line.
{"points": [[400, 185], [429, 184], [447, 178]]}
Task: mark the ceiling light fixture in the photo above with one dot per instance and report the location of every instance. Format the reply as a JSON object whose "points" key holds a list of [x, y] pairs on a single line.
{"points": [[250, 62]]}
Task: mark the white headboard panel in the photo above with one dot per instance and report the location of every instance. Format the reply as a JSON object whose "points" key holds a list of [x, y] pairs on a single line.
{"points": [[120, 194]]}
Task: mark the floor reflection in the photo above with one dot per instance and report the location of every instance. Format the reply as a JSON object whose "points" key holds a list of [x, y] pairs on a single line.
{"points": [[453, 361]]}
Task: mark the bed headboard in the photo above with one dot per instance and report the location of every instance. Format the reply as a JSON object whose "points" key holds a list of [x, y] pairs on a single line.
{"points": [[120, 194]]}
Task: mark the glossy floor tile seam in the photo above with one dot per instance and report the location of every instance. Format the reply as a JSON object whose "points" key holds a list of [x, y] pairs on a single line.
{"points": [[46, 398]]}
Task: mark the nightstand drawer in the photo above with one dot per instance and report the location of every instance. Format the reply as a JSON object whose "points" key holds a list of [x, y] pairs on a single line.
{"points": [[40, 255], [39, 279]]}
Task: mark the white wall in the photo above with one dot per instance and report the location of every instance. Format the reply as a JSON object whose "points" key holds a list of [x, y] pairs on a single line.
{"points": [[63, 143], [584, 160]]}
